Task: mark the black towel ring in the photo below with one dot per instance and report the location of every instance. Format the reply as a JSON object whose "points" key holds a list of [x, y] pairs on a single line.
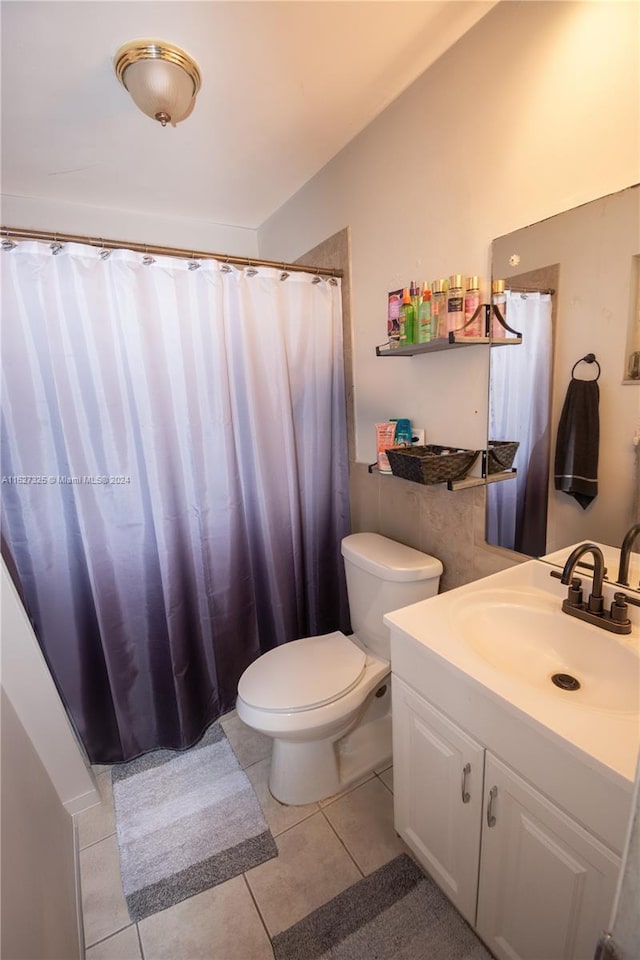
{"points": [[588, 358]]}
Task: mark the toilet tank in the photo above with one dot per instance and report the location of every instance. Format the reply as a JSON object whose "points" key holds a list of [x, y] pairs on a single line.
{"points": [[383, 575]]}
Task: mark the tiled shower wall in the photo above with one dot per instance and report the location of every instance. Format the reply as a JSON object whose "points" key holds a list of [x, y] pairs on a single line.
{"points": [[447, 524]]}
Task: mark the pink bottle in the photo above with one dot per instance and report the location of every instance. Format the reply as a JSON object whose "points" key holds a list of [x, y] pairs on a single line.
{"points": [[471, 304]]}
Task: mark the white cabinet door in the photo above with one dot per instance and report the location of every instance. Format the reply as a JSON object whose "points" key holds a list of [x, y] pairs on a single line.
{"points": [[438, 795], [546, 885]]}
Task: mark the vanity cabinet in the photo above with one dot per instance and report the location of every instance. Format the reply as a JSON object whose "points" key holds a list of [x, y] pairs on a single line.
{"points": [[529, 878], [546, 885], [438, 777]]}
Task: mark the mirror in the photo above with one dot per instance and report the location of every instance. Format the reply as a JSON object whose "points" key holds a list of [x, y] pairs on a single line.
{"points": [[586, 262]]}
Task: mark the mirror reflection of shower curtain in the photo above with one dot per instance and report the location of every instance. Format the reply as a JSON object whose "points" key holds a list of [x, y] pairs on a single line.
{"points": [[519, 408]]}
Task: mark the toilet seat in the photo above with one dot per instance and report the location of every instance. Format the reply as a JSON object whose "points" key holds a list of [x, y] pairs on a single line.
{"points": [[303, 674]]}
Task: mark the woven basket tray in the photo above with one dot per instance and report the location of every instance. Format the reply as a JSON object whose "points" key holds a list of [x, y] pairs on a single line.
{"points": [[431, 464], [501, 454]]}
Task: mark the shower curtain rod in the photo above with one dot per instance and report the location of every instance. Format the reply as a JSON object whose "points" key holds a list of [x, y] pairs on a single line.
{"points": [[18, 233]]}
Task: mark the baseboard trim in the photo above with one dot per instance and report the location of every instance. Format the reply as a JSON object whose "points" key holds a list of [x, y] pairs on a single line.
{"points": [[78, 804], [78, 886]]}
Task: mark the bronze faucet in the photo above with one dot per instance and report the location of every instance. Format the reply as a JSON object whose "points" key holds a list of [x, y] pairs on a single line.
{"points": [[595, 602], [625, 554], [616, 620]]}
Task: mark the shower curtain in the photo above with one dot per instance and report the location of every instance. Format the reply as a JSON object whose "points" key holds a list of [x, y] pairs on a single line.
{"points": [[519, 410], [174, 478]]}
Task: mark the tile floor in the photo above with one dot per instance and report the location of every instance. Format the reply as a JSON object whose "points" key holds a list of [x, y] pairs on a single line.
{"points": [[322, 849]]}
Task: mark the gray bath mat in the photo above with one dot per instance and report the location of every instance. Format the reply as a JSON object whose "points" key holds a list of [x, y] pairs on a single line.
{"points": [[185, 821], [395, 913]]}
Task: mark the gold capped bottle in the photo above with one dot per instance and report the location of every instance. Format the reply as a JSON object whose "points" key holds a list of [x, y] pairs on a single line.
{"points": [[439, 308], [499, 300]]}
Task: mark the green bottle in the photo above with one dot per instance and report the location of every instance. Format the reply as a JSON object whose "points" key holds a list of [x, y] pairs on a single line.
{"points": [[424, 317], [407, 320]]}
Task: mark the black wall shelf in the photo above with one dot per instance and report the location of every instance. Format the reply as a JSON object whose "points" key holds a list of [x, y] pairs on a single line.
{"points": [[457, 338], [435, 346], [463, 484]]}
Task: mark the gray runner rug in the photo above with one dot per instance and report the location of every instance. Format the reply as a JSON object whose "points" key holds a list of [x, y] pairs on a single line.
{"points": [[185, 821], [396, 913]]}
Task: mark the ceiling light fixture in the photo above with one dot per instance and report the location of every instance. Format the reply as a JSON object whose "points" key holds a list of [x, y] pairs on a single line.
{"points": [[162, 79]]}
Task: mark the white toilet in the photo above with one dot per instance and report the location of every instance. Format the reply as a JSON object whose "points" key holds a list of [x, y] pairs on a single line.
{"points": [[326, 700]]}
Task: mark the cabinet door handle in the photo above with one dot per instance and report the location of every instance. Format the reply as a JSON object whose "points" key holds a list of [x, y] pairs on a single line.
{"points": [[491, 820], [465, 771]]}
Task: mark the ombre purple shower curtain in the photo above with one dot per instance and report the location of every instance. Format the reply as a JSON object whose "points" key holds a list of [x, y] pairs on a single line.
{"points": [[174, 478]]}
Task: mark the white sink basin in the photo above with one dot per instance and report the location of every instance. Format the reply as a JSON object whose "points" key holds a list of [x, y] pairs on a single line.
{"points": [[502, 638], [525, 635]]}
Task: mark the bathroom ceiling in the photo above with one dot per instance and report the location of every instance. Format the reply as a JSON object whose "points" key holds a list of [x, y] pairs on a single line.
{"points": [[285, 85]]}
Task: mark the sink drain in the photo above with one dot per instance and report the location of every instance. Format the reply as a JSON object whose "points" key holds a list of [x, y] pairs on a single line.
{"points": [[565, 681]]}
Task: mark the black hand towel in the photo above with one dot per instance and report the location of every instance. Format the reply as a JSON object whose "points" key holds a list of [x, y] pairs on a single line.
{"points": [[576, 465]]}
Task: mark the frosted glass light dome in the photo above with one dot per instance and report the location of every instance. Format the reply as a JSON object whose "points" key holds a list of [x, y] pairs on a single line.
{"points": [[162, 79]]}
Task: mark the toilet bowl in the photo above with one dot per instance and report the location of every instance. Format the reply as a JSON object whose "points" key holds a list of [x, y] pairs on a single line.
{"points": [[326, 700]]}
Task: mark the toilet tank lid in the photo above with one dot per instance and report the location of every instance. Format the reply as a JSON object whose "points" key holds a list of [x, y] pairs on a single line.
{"points": [[388, 559]]}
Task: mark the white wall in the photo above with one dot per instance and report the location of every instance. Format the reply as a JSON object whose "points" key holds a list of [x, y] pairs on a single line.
{"points": [[40, 905], [30, 689], [532, 112], [38, 214]]}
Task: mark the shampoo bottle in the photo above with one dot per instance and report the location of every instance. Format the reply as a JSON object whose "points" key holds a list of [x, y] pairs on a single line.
{"points": [[471, 304], [424, 317], [455, 303], [407, 320]]}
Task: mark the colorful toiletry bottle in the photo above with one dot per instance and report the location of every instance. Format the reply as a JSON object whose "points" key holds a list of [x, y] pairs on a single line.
{"points": [[403, 435], [499, 300], [394, 301], [407, 320], [425, 330], [471, 304], [414, 293], [455, 303], [439, 308]]}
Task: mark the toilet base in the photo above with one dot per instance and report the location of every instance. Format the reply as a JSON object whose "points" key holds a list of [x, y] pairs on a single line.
{"points": [[305, 772]]}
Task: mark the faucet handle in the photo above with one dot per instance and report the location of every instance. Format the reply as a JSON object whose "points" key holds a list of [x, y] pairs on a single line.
{"points": [[574, 594], [619, 609], [621, 597]]}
